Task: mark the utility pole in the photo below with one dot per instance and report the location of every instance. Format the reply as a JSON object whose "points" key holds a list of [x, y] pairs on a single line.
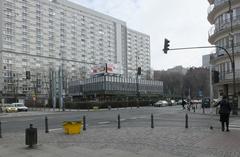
{"points": [[53, 88], [60, 90], [210, 84], [231, 37], [138, 70]]}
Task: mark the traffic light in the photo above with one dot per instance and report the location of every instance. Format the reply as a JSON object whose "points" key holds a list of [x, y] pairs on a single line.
{"points": [[166, 45], [139, 71], [28, 75], [215, 76]]}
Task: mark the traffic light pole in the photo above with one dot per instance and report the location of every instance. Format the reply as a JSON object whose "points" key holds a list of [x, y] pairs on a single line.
{"points": [[235, 108], [206, 47]]}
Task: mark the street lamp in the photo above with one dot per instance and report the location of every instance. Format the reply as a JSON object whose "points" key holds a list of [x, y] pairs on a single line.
{"points": [[231, 37]]}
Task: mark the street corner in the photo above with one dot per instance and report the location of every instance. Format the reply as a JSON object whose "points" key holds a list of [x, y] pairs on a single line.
{"points": [[227, 141]]}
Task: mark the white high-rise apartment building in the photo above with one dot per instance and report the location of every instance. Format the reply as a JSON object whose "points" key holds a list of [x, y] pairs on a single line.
{"points": [[138, 53], [39, 35]]}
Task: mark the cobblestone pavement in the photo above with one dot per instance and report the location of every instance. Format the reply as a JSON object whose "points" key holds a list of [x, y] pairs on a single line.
{"points": [[162, 141]]}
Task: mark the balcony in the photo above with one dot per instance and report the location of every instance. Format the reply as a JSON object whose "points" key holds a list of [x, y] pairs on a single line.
{"points": [[218, 6], [211, 1], [226, 77], [222, 28], [221, 55]]}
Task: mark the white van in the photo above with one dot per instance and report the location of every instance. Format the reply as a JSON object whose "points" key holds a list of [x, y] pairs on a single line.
{"points": [[20, 106]]}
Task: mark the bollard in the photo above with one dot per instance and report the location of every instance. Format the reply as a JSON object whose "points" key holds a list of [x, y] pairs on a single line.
{"points": [[0, 129], [194, 109], [186, 122], [203, 110], [31, 136], [152, 123], [211, 127], [119, 126], [84, 123], [46, 125]]}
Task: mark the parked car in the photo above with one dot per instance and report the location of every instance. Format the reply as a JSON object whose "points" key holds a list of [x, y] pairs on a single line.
{"points": [[20, 107], [9, 108], [161, 103], [172, 102]]}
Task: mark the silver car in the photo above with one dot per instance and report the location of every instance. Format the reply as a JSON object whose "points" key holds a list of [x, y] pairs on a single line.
{"points": [[161, 103]]}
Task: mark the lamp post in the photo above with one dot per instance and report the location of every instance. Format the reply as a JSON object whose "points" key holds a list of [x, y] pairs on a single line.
{"points": [[231, 37]]}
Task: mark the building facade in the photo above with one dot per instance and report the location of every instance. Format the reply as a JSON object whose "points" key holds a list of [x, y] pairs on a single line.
{"points": [[138, 52], [206, 61], [224, 32], [115, 86], [41, 36]]}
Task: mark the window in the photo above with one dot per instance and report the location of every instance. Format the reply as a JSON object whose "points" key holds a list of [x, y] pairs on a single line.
{"points": [[24, 26], [38, 6]]}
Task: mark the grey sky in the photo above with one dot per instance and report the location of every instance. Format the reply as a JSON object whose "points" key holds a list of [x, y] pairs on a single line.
{"points": [[183, 22]]}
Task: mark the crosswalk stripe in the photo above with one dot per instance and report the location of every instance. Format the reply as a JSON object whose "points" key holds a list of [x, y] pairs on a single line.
{"points": [[107, 122]]}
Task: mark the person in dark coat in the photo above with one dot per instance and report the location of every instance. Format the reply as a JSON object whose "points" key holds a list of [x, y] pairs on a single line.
{"points": [[183, 103], [224, 112]]}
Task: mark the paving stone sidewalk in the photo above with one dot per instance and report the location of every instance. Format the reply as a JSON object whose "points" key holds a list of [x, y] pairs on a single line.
{"points": [[125, 142]]}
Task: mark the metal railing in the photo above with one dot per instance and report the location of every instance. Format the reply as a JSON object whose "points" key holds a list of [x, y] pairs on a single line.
{"points": [[228, 75], [218, 27], [216, 4], [221, 53]]}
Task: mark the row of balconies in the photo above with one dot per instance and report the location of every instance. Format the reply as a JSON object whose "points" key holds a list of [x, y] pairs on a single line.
{"points": [[228, 76], [224, 28], [222, 58], [219, 6]]}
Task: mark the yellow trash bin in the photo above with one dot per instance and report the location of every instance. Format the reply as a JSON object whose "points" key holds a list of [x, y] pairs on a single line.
{"points": [[72, 127]]}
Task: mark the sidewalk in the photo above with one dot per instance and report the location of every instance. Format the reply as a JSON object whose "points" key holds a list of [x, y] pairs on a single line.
{"points": [[127, 142]]}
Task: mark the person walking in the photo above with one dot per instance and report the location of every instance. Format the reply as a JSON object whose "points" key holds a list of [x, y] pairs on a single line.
{"points": [[183, 104], [224, 112]]}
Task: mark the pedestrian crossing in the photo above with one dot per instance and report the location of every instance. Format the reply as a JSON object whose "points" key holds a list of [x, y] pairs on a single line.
{"points": [[235, 125]]}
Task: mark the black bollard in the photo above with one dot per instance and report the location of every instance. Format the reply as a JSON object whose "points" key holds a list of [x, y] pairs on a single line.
{"points": [[0, 129], [46, 125], [152, 123], [211, 127], [186, 122], [194, 109], [84, 123], [119, 126]]}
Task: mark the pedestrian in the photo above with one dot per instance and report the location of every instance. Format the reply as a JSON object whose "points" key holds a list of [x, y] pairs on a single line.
{"points": [[183, 104], [224, 112]]}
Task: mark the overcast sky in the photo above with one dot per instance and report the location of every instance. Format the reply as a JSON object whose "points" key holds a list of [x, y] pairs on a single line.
{"points": [[183, 22]]}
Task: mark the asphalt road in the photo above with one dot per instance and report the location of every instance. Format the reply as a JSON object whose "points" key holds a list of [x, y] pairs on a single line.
{"points": [[135, 117]]}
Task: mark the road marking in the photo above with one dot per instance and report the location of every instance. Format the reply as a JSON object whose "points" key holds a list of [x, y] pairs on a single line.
{"points": [[133, 118], [234, 126], [107, 122], [122, 119], [55, 129], [4, 121]]}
